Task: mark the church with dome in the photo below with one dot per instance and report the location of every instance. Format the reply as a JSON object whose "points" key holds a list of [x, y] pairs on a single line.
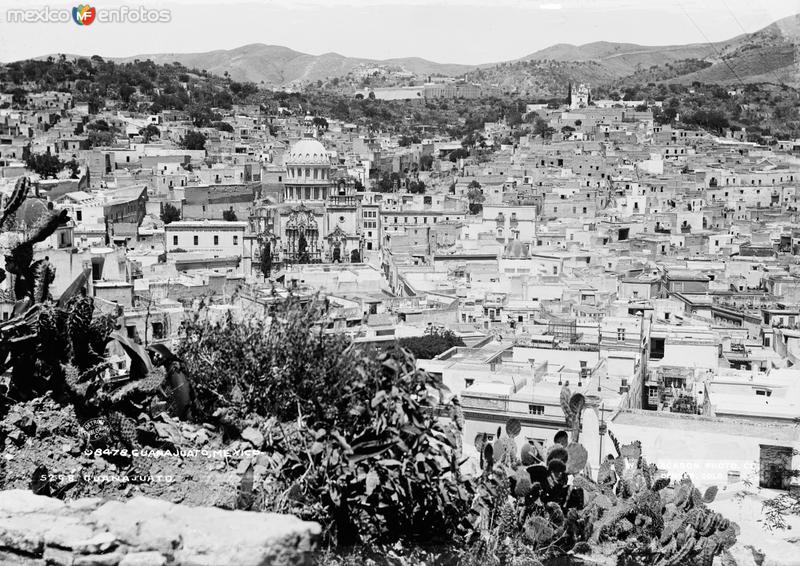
{"points": [[317, 222]]}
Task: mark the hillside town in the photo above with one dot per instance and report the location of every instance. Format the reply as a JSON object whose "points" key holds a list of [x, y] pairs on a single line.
{"points": [[652, 268]]}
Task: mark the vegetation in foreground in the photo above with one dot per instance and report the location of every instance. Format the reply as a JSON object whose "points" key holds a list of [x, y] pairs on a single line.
{"points": [[370, 447]]}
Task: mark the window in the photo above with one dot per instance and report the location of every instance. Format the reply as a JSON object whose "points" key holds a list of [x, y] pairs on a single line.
{"points": [[174, 240], [764, 392], [468, 382], [236, 240], [216, 240], [620, 334], [79, 215], [196, 240], [535, 409], [158, 331]]}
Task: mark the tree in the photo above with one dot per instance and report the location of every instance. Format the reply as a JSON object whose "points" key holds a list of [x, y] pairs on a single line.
{"points": [[426, 162], [229, 215], [388, 182], [460, 153], [193, 140], [222, 126], [684, 404], [406, 141], [98, 126], [302, 249], [45, 165], [266, 258], [100, 138], [417, 187], [434, 342], [542, 128], [201, 116], [714, 120], [665, 115], [74, 168], [19, 97], [475, 197], [150, 131], [170, 213]]}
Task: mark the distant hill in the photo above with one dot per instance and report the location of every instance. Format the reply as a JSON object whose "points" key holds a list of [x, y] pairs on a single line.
{"points": [[771, 54], [768, 55], [277, 66]]}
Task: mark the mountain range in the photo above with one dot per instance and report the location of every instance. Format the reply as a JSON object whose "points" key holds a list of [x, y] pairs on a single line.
{"points": [[771, 54]]}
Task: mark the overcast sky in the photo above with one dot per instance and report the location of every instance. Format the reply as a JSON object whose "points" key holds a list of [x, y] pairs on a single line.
{"points": [[447, 31]]}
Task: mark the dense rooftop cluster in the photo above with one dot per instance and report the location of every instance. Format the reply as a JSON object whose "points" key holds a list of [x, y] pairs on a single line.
{"points": [[607, 248]]}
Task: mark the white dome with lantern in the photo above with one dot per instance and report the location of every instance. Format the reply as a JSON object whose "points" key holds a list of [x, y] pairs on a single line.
{"points": [[307, 151]]}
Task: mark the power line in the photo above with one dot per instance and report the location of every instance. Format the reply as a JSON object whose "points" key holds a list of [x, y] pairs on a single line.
{"points": [[711, 45], [778, 80]]}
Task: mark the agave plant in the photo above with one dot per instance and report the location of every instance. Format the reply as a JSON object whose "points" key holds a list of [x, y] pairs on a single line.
{"points": [[46, 339]]}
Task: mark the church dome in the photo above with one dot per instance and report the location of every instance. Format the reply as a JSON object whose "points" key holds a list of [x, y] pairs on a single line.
{"points": [[307, 151], [515, 250]]}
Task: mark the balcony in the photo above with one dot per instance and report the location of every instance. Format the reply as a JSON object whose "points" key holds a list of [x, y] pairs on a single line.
{"points": [[342, 201]]}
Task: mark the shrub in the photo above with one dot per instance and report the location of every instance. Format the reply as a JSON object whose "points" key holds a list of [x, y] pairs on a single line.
{"points": [[170, 213], [389, 474], [434, 342], [353, 436], [193, 140]]}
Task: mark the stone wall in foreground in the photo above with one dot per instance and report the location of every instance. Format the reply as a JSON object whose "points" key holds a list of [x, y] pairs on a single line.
{"points": [[36, 530]]}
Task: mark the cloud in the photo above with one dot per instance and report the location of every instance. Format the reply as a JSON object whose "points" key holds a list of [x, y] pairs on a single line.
{"points": [[550, 7]]}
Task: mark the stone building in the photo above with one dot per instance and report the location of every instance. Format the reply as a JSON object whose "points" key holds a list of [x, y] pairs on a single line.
{"points": [[318, 220]]}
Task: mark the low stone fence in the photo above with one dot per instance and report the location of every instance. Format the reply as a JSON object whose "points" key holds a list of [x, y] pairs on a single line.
{"points": [[141, 531]]}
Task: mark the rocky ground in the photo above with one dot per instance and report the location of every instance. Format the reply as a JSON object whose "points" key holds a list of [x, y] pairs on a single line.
{"points": [[44, 442], [94, 517]]}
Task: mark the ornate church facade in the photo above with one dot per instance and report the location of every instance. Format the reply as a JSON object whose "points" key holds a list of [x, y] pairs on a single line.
{"points": [[318, 221]]}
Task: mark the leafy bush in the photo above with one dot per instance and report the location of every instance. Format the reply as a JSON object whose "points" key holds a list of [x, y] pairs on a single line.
{"points": [[391, 473], [353, 436]]}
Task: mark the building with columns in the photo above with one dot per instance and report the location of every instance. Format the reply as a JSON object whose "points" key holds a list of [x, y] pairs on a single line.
{"points": [[318, 220]]}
